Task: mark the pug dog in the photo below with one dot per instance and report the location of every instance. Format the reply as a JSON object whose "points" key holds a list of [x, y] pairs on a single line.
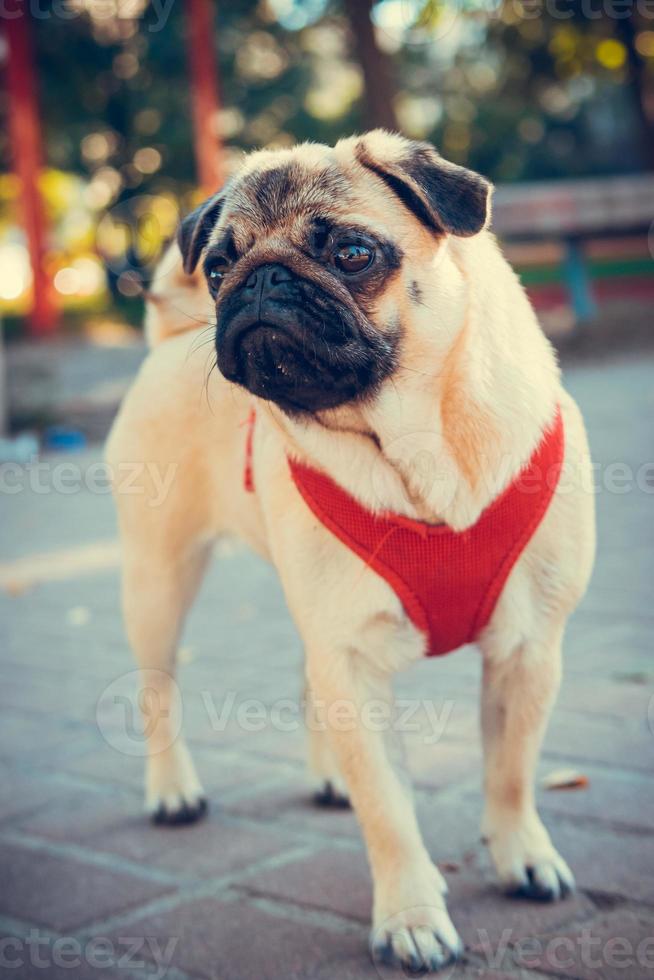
{"points": [[364, 321]]}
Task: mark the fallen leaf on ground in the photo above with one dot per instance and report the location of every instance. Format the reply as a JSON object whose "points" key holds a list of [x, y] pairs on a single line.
{"points": [[564, 779]]}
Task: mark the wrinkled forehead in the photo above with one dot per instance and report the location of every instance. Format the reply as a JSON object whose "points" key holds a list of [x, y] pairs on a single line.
{"points": [[277, 188], [283, 194], [283, 191]]}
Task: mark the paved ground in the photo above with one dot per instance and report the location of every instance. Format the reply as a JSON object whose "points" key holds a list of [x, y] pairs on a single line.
{"points": [[269, 887]]}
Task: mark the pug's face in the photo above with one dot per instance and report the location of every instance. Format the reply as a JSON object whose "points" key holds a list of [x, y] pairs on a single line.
{"points": [[309, 253]]}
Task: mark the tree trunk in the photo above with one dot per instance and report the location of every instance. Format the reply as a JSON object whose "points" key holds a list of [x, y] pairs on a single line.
{"points": [[27, 150], [639, 83], [205, 100], [376, 66]]}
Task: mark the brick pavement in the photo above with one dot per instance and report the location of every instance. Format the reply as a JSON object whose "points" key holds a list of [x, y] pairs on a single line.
{"points": [[268, 886]]}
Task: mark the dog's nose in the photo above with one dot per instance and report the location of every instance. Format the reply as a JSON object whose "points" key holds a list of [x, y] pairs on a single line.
{"points": [[264, 278]]}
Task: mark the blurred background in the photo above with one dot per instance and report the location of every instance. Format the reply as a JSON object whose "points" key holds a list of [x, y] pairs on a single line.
{"points": [[118, 115]]}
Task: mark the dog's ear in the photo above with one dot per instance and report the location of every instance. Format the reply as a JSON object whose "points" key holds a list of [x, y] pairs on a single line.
{"points": [[195, 229], [444, 196]]}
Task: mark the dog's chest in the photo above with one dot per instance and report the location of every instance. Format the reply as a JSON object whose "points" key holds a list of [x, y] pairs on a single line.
{"points": [[447, 582]]}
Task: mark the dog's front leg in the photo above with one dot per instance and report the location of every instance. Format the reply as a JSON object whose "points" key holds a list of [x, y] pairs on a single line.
{"points": [[517, 695], [411, 925], [331, 790]]}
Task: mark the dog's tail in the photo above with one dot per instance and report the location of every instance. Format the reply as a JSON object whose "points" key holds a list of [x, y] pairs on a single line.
{"points": [[175, 302]]}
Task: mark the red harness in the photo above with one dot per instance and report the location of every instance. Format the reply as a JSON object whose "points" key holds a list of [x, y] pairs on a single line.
{"points": [[447, 581]]}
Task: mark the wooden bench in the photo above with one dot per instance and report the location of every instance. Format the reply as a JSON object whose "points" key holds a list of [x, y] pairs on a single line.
{"points": [[573, 211]]}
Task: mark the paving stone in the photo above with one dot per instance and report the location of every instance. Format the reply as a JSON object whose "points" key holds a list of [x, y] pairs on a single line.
{"points": [[24, 793], [207, 728], [44, 692], [606, 861], [485, 917], [450, 826], [233, 940], [450, 831], [277, 745], [219, 770], [291, 805], [621, 601], [36, 954], [62, 893], [451, 717], [32, 740], [103, 765], [339, 882], [85, 814], [207, 849], [608, 646], [134, 838], [445, 763], [361, 968], [616, 945], [612, 796], [596, 740], [116, 823], [607, 696], [331, 879]]}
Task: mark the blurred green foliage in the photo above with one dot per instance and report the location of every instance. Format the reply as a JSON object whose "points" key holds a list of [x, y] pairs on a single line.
{"points": [[519, 89]]}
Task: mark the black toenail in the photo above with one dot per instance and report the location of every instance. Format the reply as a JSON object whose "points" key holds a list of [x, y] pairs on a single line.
{"points": [[187, 814], [329, 797]]}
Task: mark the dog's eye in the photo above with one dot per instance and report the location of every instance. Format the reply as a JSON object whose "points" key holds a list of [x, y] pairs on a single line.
{"points": [[353, 258], [216, 273]]}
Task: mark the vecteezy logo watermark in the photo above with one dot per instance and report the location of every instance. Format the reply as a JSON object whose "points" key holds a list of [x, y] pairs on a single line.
{"points": [[418, 23], [35, 951], [136, 716], [581, 953], [428, 475], [100, 11], [67, 477], [131, 712]]}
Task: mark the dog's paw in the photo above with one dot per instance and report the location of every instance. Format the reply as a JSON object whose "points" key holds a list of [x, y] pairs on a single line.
{"points": [[174, 796], [331, 796], [527, 863], [420, 940], [547, 880], [418, 936], [177, 811]]}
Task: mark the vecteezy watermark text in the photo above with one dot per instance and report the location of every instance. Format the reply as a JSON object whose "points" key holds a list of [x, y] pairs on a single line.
{"points": [[155, 479], [592, 952], [129, 714], [100, 10], [36, 951], [67, 477]]}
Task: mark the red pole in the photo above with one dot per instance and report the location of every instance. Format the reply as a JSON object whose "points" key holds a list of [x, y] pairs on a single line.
{"points": [[25, 135], [205, 100]]}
